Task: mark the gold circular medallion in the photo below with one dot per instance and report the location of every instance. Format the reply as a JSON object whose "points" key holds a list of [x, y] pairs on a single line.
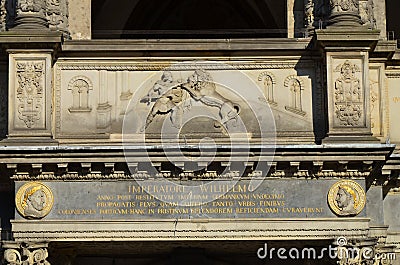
{"points": [[346, 198], [34, 200]]}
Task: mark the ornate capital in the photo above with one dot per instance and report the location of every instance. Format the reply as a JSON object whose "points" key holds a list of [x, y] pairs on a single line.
{"points": [[25, 253]]}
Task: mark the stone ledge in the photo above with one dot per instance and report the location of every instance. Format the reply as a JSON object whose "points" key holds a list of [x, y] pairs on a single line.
{"points": [[213, 229], [187, 44], [30, 36], [341, 38]]}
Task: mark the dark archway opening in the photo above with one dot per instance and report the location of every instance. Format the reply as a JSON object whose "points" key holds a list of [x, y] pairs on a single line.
{"points": [[188, 18], [393, 19]]}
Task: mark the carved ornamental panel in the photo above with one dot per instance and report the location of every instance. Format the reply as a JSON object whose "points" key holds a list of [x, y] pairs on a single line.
{"points": [[29, 94], [348, 93]]}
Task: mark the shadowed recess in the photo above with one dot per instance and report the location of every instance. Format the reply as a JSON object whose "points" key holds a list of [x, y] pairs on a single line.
{"points": [[188, 18]]}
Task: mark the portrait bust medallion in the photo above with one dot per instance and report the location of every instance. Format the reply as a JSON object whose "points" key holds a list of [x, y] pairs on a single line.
{"points": [[34, 200], [346, 198]]}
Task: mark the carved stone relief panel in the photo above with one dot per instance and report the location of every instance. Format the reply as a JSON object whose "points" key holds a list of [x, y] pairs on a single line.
{"points": [[100, 95], [393, 79], [30, 92], [30, 96], [348, 98], [348, 92], [77, 94], [377, 97]]}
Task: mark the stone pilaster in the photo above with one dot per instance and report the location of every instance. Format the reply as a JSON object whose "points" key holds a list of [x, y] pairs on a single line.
{"points": [[348, 94], [346, 53], [344, 13], [31, 15], [103, 108], [16, 253], [126, 94], [30, 93]]}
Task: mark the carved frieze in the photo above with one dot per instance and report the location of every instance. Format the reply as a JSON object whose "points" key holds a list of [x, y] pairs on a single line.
{"points": [[30, 76], [144, 89], [348, 96]]}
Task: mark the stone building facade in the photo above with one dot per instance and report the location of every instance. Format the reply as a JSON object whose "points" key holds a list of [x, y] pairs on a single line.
{"points": [[200, 132]]}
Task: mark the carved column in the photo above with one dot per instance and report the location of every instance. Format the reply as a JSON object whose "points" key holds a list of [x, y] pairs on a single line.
{"points": [[25, 253], [30, 93], [344, 13], [31, 15]]}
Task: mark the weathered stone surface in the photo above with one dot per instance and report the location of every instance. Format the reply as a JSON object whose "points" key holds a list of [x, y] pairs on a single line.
{"points": [[79, 20]]}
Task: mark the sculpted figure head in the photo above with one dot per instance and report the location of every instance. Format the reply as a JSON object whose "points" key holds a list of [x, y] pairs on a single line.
{"points": [[167, 77], [199, 78], [34, 202], [345, 200], [347, 70]]}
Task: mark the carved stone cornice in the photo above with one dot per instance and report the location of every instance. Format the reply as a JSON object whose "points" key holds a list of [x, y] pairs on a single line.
{"points": [[109, 163]]}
